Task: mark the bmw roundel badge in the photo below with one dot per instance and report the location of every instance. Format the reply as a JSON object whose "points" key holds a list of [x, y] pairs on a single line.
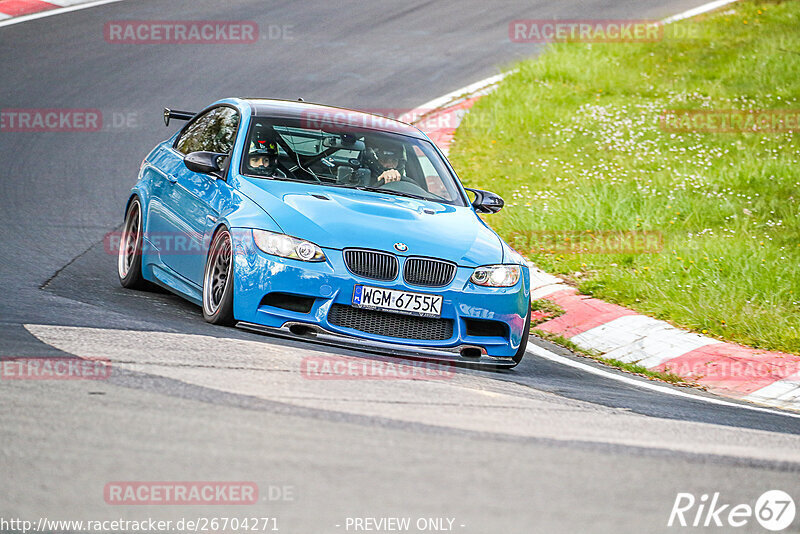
{"points": [[401, 247]]}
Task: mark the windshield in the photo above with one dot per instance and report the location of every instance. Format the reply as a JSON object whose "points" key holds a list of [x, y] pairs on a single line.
{"points": [[280, 149]]}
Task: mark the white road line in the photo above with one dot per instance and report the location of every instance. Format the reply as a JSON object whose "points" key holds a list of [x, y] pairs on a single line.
{"points": [[469, 90], [547, 355], [67, 3], [464, 400], [486, 83], [705, 8], [43, 14], [483, 85], [436, 102]]}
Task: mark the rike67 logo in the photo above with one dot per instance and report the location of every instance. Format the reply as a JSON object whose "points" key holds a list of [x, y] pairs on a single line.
{"points": [[774, 510]]}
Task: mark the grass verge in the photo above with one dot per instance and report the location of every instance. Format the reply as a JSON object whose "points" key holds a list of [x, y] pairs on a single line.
{"points": [[544, 310], [573, 141]]}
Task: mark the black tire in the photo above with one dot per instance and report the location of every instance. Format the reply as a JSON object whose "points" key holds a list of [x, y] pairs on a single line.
{"points": [[129, 256], [218, 280], [523, 344]]}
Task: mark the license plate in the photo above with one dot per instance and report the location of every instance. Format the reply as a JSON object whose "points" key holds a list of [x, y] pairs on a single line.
{"points": [[378, 298]]}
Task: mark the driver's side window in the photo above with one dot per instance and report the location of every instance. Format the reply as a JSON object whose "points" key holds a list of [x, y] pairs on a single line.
{"points": [[214, 131]]}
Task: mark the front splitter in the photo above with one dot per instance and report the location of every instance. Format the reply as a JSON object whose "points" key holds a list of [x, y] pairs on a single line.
{"points": [[316, 334]]}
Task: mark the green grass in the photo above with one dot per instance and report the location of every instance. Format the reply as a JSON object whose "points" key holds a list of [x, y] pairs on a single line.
{"points": [[547, 306], [572, 141], [612, 362]]}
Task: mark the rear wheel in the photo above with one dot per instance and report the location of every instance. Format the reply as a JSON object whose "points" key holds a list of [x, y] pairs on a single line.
{"points": [[129, 256], [523, 344], [218, 280]]}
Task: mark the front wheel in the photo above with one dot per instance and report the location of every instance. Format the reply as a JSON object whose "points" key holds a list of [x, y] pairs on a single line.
{"points": [[218, 280], [129, 256], [523, 344]]}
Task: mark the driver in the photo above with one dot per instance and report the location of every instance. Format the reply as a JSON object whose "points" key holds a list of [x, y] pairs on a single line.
{"points": [[263, 159], [386, 160]]}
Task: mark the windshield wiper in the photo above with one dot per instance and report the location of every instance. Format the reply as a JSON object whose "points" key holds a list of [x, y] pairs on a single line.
{"points": [[279, 178], [270, 177], [390, 192]]}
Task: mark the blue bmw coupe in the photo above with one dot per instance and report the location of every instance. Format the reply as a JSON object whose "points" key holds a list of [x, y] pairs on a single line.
{"points": [[325, 223]]}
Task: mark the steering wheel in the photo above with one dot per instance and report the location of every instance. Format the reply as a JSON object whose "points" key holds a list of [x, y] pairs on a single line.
{"points": [[280, 166], [382, 182]]}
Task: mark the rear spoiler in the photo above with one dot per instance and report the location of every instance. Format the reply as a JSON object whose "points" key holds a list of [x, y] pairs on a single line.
{"points": [[175, 114]]}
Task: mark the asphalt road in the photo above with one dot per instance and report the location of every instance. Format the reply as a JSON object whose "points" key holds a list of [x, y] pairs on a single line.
{"points": [[542, 448]]}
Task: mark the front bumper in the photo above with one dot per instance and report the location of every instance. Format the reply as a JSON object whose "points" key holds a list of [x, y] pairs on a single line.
{"points": [[257, 274]]}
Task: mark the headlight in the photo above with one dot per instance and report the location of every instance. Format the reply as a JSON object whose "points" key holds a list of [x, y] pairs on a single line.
{"points": [[287, 247], [496, 275]]}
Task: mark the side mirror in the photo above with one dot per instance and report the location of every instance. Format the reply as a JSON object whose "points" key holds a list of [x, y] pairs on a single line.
{"points": [[204, 162], [486, 201]]}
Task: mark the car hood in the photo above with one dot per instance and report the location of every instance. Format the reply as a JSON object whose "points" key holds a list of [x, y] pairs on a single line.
{"points": [[338, 218]]}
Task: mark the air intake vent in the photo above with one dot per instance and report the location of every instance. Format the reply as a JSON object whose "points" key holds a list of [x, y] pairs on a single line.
{"points": [[371, 264], [390, 324], [428, 272], [482, 327], [288, 301]]}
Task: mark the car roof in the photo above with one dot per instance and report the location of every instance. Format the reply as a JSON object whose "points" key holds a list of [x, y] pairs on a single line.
{"points": [[336, 116]]}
